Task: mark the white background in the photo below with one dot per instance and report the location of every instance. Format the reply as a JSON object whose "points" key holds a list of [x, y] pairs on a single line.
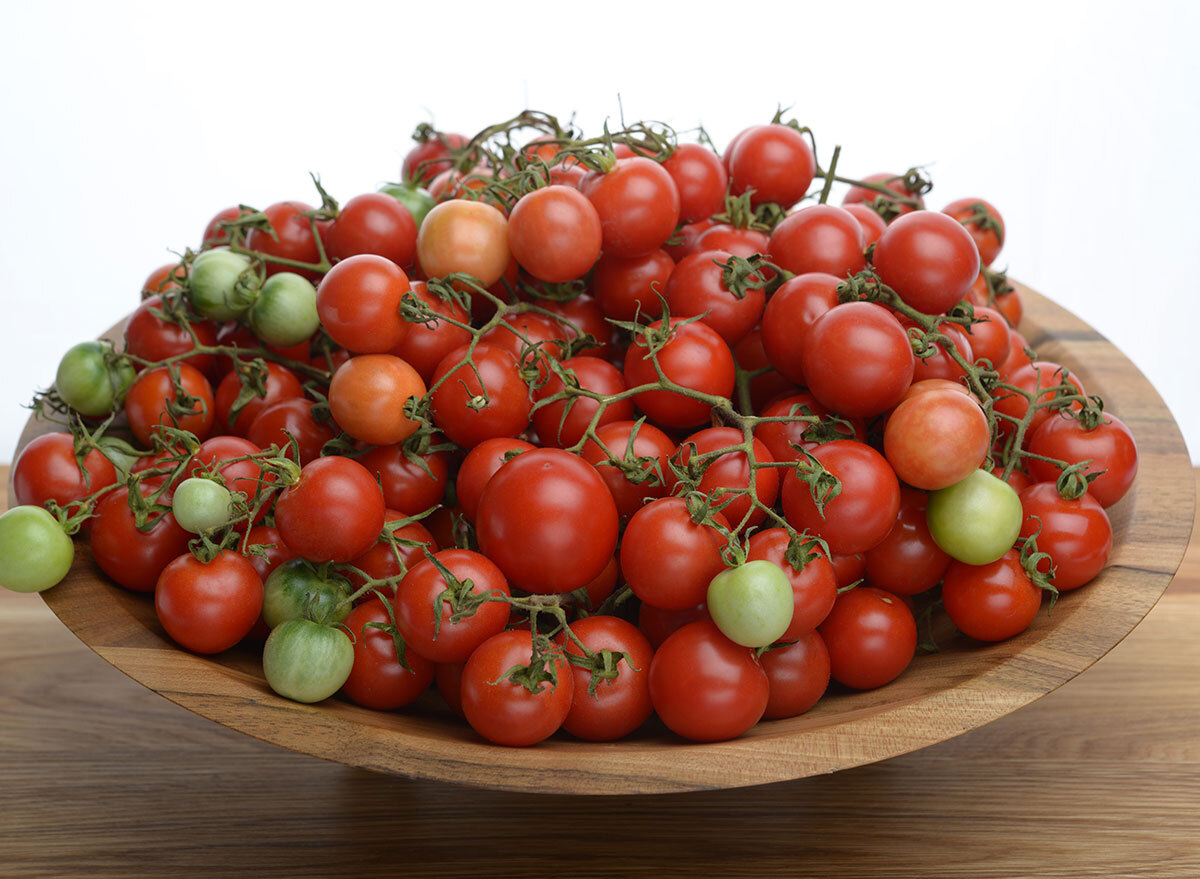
{"points": [[125, 126]]}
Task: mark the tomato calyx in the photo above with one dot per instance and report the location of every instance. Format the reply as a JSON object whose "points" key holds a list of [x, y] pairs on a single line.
{"points": [[540, 670], [389, 628], [1031, 561], [741, 274], [740, 214], [822, 485]]}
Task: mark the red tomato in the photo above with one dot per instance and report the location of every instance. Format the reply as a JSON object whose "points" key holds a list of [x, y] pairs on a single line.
{"points": [[382, 562], [742, 242], [687, 235], [214, 235], [457, 398], [872, 224], [424, 345], [695, 357], [164, 279], [907, 561], [857, 359], [627, 287], [727, 476], [984, 224], [848, 568], [1008, 304], [614, 707], [774, 162], [658, 624], [373, 222], [649, 444], [637, 203], [448, 676], [276, 551], [940, 364], [705, 687], [935, 439], [871, 636], [814, 585], [413, 483], [1031, 379], [147, 400], [208, 608], [700, 179], [292, 238], [779, 436], [548, 521], [697, 288], [368, 397], [583, 313], [1076, 533], [991, 602], [505, 712], [819, 238], [798, 675], [554, 233], [871, 197], [480, 464], [928, 259], [245, 476], [151, 338], [561, 427], [794, 308], [430, 156], [47, 470], [768, 384], [1109, 446], [377, 679], [280, 384], [667, 559], [530, 336], [333, 514], [359, 304], [291, 417], [990, 336], [131, 557]]}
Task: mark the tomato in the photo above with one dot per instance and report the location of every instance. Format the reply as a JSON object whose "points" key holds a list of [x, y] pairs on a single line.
{"points": [[700, 179], [416, 200], [1109, 446], [547, 519], [990, 336], [152, 338], [583, 313], [789, 314], [91, 379], [667, 559], [382, 562], [984, 224], [1008, 303], [697, 288], [872, 224], [164, 279], [658, 624], [857, 359], [638, 205], [649, 443], [504, 711], [1032, 379], [563, 427], [307, 662], [276, 552], [214, 235], [334, 513], [280, 383], [813, 586], [359, 304], [377, 679], [727, 477], [848, 569], [751, 603], [35, 552], [695, 357], [448, 676], [146, 403], [935, 439], [774, 162], [200, 505], [431, 156], [208, 607], [768, 384], [424, 345], [928, 259], [991, 602], [741, 242], [297, 590], [473, 404], [976, 520], [616, 706], [293, 418], [530, 336], [782, 437], [293, 236], [939, 364], [373, 222], [460, 184], [687, 235], [907, 561], [285, 312], [1076, 533], [554, 232], [369, 395], [46, 469], [875, 199], [478, 467], [863, 511], [871, 637], [705, 687], [798, 674], [627, 287], [411, 483], [464, 236], [819, 238]]}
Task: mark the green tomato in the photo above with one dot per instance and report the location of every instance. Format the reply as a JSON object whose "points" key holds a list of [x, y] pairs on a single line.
{"points": [[306, 661], [976, 520], [88, 382], [295, 590], [221, 284], [418, 201], [201, 505], [35, 552], [285, 312], [751, 604]]}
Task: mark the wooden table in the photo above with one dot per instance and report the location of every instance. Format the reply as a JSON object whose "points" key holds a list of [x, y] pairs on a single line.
{"points": [[100, 777]]}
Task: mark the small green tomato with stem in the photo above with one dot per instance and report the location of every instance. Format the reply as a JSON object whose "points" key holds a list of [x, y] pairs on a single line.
{"points": [[35, 552], [221, 284], [976, 520], [285, 312], [306, 661], [201, 505], [91, 378], [752, 603]]}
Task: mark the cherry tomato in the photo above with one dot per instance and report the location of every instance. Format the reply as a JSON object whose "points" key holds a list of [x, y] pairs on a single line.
{"points": [[306, 661], [1032, 379], [133, 558], [359, 304], [464, 236], [554, 233], [47, 470], [871, 636], [217, 453], [292, 238], [431, 156], [991, 602], [152, 338], [164, 279], [368, 397], [1109, 446], [649, 443], [782, 437], [935, 439], [667, 559], [426, 344], [687, 235], [208, 607], [928, 259], [768, 384], [148, 398], [908, 560], [480, 464], [214, 234], [798, 675], [292, 417], [378, 680], [627, 287], [975, 520], [857, 359], [697, 288], [382, 562], [637, 203], [563, 427], [504, 711], [1076, 533], [377, 223], [334, 513], [872, 224], [794, 308], [751, 603], [774, 162], [616, 706], [741, 242], [990, 336], [819, 238], [583, 313], [939, 364], [695, 357], [411, 483], [984, 224], [814, 584], [35, 551], [876, 199], [727, 476], [280, 383], [458, 397], [700, 179]]}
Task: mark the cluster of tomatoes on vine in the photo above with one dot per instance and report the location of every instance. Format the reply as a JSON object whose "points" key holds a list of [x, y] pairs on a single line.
{"points": [[584, 428]]}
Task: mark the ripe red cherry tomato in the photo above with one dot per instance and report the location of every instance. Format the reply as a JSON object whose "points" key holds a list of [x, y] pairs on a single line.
{"points": [[794, 308], [650, 443], [46, 470], [775, 161], [700, 179], [697, 288], [940, 364], [614, 707], [695, 357], [424, 345], [561, 427], [458, 387], [871, 636], [819, 238], [147, 400], [333, 514], [292, 238], [727, 477], [667, 559], [1109, 446], [280, 384], [377, 679], [928, 259], [990, 337], [991, 602], [857, 359], [1076, 533], [430, 156], [742, 242], [291, 418], [377, 223], [149, 337], [543, 336], [586, 317], [380, 562], [410, 484], [814, 586], [627, 287], [554, 233], [548, 521], [872, 224], [798, 675], [637, 203], [873, 198], [359, 304], [368, 396], [245, 476], [687, 235], [907, 561], [781, 437], [208, 608], [984, 224], [131, 557], [937, 438], [480, 464], [705, 687]]}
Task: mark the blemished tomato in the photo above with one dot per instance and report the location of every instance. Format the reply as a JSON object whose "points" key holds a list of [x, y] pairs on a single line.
{"points": [[425, 344], [377, 679], [208, 608], [814, 586], [648, 443], [857, 359], [700, 179], [479, 466], [798, 674], [637, 203], [928, 258], [306, 661], [775, 161], [334, 513], [789, 314], [47, 470], [35, 552], [368, 396], [293, 237], [871, 636], [976, 520], [862, 513], [907, 561], [373, 222], [430, 157], [464, 236], [292, 417], [872, 224], [991, 602], [504, 711], [1076, 533], [627, 287], [359, 304], [819, 238], [547, 519], [984, 224], [146, 403], [152, 338], [423, 613], [727, 477], [280, 384], [554, 233], [935, 439], [695, 357], [697, 288], [751, 603], [667, 559], [458, 396], [616, 706], [705, 687], [411, 484], [1109, 446], [563, 427]]}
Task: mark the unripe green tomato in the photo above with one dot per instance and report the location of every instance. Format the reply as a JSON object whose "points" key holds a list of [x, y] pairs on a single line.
{"points": [[87, 383], [306, 661], [35, 552], [201, 505], [751, 604], [976, 520], [285, 312], [418, 201], [220, 285], [295, 591]]}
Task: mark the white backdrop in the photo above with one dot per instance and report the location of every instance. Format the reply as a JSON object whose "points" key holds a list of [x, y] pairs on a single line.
{"points": [[125, 126]]}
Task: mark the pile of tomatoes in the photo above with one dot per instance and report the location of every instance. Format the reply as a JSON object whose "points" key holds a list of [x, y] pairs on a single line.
{"points": [[585, 430]]}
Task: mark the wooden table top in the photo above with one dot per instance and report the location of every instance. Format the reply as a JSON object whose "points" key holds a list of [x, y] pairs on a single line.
{"points": [[100, 777]]}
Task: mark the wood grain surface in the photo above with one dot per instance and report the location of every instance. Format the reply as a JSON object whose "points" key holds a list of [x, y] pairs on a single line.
{"points": [[101, 778]]}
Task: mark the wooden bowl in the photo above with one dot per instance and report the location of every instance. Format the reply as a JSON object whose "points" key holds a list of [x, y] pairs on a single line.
{"points": [[941, 695]]}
